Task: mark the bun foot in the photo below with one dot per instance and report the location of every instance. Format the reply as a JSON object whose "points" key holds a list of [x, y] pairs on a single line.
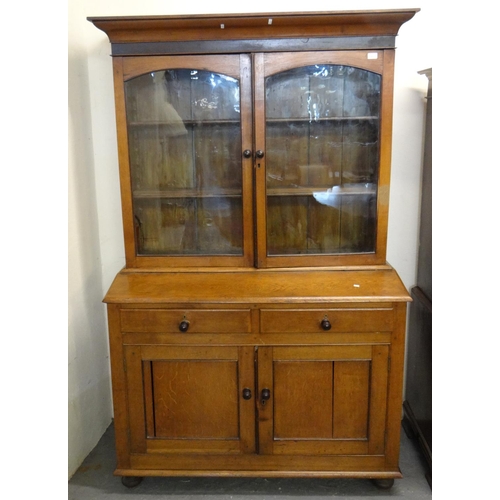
{"points": [[131, 481], [383, 484]]}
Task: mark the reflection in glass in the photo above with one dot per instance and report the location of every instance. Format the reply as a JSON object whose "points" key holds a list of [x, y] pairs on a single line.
{"points": [[185, 162], [322, 146]]}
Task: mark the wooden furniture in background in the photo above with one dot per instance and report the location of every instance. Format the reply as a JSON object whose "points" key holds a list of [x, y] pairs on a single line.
{"points": [[418, 394], [257, 329]]}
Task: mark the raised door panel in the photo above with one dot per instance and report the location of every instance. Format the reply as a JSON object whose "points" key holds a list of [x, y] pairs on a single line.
{"points": [[189, 399], [326, 400]]}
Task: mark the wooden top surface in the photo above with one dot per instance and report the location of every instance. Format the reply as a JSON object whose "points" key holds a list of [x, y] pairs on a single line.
{"points": [[130, 29], [257, 286]]}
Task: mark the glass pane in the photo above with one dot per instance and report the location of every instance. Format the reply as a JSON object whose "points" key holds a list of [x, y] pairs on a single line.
{"points": [[188, 226], [322, 150], [185, 162]]}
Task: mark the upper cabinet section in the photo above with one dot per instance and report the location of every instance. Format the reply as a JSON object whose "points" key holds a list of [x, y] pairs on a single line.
{"points": [[254, 140]]}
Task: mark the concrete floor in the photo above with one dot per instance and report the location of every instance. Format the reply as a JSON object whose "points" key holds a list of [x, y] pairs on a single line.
{"points": [[95, 480]]}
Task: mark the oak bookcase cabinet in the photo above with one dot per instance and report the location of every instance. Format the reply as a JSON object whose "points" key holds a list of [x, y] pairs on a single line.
{"points": [[256, 329]]}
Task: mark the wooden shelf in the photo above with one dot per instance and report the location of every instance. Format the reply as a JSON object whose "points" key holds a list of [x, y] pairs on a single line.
{"points": [[324, 119], [184, 122], [187, 193], [306, 191]]}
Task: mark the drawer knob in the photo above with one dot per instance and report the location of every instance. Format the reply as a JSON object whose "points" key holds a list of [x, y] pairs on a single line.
{"points": [[247, 394], [325, 324], [184, 325], [265, 395]]}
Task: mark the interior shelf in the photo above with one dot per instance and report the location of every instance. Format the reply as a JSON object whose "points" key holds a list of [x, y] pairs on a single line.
{"points": [[187, 193]]}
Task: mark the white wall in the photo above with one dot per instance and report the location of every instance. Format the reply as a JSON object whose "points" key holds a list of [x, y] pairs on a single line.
{"points": [[95, 226], [89, 388]]}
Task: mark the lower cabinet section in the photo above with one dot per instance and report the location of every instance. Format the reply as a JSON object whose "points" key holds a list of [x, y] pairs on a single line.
{"points": [[312, 400], [316, 394]]}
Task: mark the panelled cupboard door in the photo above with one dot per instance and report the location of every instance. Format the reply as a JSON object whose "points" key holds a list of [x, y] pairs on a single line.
{"points": [[190, 399], [322, 400], [322, 172], [183, 124]]}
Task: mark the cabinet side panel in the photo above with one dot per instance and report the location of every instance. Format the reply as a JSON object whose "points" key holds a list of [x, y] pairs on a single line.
{"points": [[119, 388], [395, 399], [135, 392]]}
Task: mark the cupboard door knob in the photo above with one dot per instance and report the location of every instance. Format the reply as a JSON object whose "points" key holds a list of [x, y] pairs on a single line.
{"points": [[265, 395], [259, 153], [325, 324], [247, 153], [247, 393], [184, 325]]}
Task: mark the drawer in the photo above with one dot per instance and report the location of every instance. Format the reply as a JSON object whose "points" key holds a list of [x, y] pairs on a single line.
{"points": [[199, 320], [341, 320]]}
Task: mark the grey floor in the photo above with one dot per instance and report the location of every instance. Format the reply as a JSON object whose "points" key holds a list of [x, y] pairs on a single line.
{"points": [[95, 480]]}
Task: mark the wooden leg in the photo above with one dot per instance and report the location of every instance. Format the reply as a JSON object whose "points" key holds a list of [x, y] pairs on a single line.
{"points": [[383, 484], [131, 481]]}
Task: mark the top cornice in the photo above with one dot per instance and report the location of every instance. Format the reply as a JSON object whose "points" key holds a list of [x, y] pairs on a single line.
{"points": [[137, 29]]}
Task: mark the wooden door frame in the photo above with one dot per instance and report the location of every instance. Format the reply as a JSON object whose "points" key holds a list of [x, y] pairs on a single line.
{"points": [[266, 64], [235, 65]]}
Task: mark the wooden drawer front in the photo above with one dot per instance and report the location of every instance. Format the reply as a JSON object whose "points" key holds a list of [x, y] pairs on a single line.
{"points": [[200, 320], [341, 320]]}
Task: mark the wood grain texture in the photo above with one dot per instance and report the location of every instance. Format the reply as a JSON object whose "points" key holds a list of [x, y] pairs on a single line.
{"points": [[265, 414], [196, 399], [244, 26], [341, 320], [367, 471], [124, 163], [119, 385], [303, 400], [168, 320], [257, 287], [280, 465], [395, 382], [351, 381]]}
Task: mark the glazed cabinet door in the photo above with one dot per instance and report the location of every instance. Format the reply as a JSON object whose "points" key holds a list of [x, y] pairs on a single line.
{"points": [[321, 173], [183, 124], [190, 399], [322, 400]]}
